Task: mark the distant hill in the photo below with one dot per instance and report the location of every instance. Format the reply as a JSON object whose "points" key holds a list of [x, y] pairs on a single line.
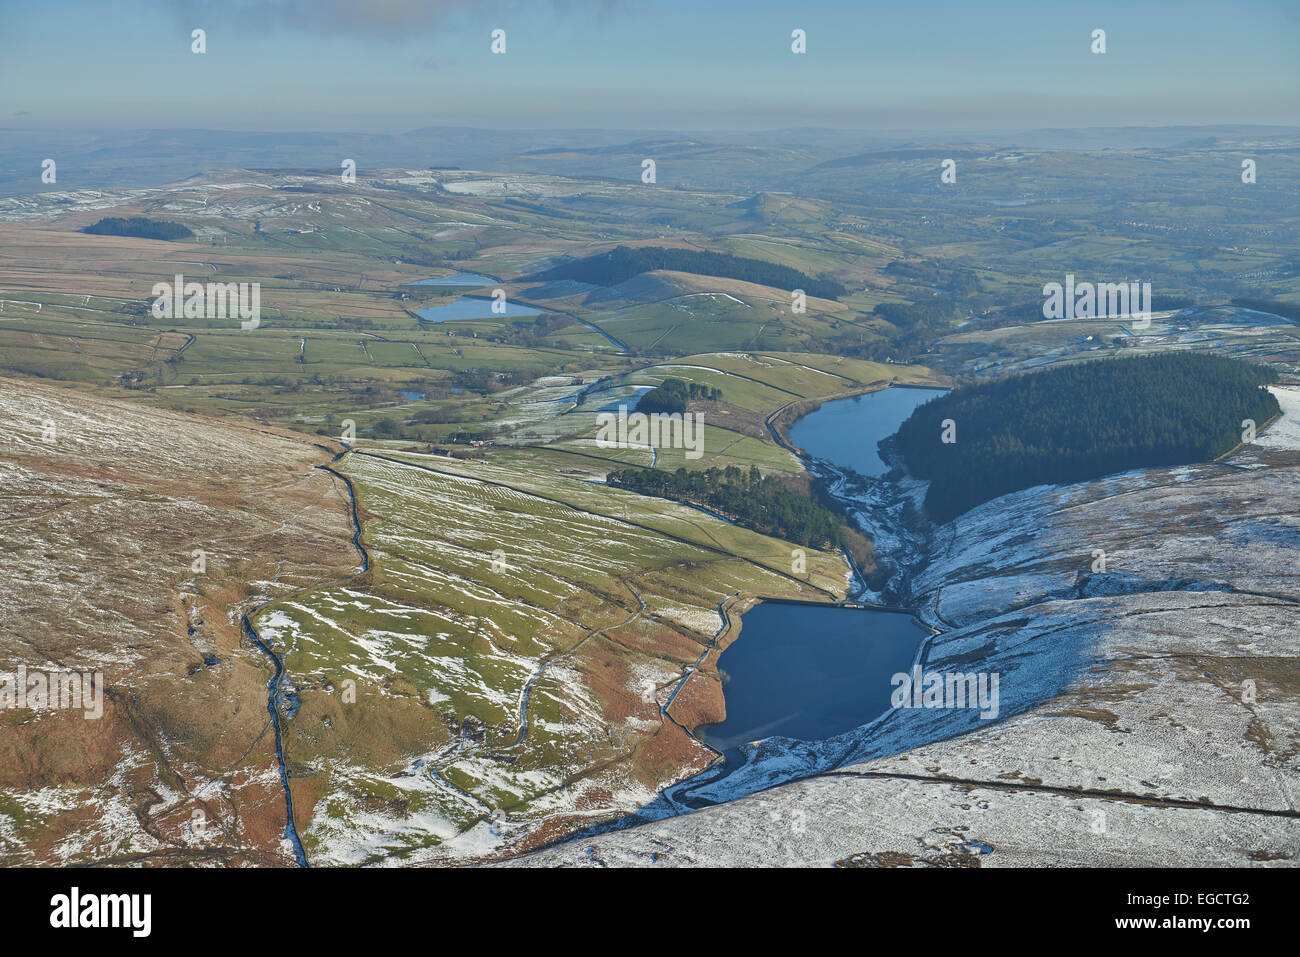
{"points": [[621, 264], [645, 287], [139, 227]]}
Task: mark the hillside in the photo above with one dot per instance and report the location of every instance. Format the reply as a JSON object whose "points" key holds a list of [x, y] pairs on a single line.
{"points": [[128, 553], [1149, 710], [622, 263]]}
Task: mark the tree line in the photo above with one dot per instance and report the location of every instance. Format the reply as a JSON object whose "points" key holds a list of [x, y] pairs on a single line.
{"points": [[139, 227], [671, 396], [765, 504]]}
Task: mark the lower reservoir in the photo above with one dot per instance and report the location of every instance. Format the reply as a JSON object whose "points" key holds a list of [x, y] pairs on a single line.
{"points": [[810, 671]]}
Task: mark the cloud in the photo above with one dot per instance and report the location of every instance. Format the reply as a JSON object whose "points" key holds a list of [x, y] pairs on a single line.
{"points": [[387, 19], [391, 18]]}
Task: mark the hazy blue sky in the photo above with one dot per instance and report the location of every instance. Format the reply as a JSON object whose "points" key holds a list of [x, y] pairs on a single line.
{"points": [[397, 64]]}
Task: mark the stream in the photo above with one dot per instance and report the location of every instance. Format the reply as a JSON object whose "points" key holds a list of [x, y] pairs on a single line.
{"points": [[277, 695]]}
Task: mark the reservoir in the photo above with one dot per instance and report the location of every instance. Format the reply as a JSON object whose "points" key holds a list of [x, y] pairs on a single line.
{"points": [[845, 432], [472, 308], [810, 671], [631, 401]]}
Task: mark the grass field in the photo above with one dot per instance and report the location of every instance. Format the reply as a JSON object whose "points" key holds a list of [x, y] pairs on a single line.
{"points": [[489, 585]]}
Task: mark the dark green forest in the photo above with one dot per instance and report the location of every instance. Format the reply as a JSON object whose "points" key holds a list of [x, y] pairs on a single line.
{"points": [[672, 395], [763, 503], [621, 264], [139, 227], [1081, 422]]}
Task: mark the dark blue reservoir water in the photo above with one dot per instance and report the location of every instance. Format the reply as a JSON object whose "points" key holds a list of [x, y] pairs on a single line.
{"points": [[810, 672]]}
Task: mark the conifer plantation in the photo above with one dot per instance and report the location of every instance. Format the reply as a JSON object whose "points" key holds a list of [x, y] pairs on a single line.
{"points": [[1081, 422], [765, 504]]}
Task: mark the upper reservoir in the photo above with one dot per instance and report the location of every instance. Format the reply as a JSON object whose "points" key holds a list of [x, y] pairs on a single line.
{"points": [[845, 432], [472, 308]]}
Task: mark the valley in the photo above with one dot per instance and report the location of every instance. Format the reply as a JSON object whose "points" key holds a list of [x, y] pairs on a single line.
{"points": [[480, 649]]}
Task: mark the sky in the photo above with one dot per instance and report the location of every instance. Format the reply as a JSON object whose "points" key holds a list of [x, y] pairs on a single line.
{"points": [[394, 65]]}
